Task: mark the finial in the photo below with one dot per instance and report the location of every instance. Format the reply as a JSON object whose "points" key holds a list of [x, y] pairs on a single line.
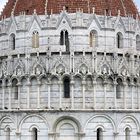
{"points": [[60, 52], [34, 11], [137, 16], [83, 51], [64, 8], [51, 11], [37, 53], [12, 13], [119, 12], [18, 55], [79, 10], [93, 10], [46, 5]]}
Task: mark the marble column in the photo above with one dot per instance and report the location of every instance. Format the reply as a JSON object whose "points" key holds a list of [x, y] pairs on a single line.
{"points": [[60, 93], [94, 94], [115, 95], [18, 135], [132, 95], [49, 95], [138, 86], [28, 94], [83, 92], [19, 93], [9, 96], [3, 96], [105, 101], [38, 94], [124, 94], [72, 94]]}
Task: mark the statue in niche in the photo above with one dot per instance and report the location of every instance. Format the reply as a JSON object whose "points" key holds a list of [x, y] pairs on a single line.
{"points": [[0, 72], [19, 71], [4, 68], [124, 72], [83, 70], [60, 69], [105, 70], [137, 72], [38, 70]]}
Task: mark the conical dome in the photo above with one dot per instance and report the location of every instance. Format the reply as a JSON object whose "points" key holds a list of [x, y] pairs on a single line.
{"points": [[110, 6]]}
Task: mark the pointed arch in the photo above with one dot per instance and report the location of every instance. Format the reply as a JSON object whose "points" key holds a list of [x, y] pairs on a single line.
{"points": [[66, 86], [93, 38], [64, 39], [15, 88], [119, 88], [119, 40], [35, 39], [138, 42], [13, 41]]}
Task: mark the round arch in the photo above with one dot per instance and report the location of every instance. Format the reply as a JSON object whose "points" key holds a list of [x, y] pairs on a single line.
{"points": [[132, 118], [33, 115], [69, 118], [104, 116]]}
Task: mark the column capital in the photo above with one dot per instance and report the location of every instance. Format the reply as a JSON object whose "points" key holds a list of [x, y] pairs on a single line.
{"points": [[38, 82], [72, 82], [105, 82], [125, 83], [49, 84], [60, 82], [9, 85], [138, 85], [19, 84], [81, 134], [94, 82], [116, 133], [83, 82]]}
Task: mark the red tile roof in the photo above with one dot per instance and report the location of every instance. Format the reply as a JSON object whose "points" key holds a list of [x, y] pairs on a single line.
{"points": [[125, 6]]}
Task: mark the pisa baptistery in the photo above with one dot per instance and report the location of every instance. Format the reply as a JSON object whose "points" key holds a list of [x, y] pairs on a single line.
{"points": [[70, 70]]}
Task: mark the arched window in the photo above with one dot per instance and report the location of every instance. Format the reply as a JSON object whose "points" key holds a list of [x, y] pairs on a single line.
{"points": [[138, 42], [64, 39], [15, 89], [93, 38], [12, 41], [127, 134], [119, 88], [34, 134], [119, 39], [66, 83], [35, 39], [8, 134], [99, 134]]}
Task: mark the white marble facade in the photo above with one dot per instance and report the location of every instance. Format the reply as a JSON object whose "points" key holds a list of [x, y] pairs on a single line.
{"points": [[97, 57]]}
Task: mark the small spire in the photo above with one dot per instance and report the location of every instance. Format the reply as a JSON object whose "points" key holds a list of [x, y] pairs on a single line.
{"points": [[93, 10], [64, 8], [37, 54], [34, 11], [18, 55], [12, 13], [79, 10], [46, 6], [88, 6], [119, 12], [51, 11]]}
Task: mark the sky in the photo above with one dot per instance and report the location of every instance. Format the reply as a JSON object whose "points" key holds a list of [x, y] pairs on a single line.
{"points": [[3, 2]]}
